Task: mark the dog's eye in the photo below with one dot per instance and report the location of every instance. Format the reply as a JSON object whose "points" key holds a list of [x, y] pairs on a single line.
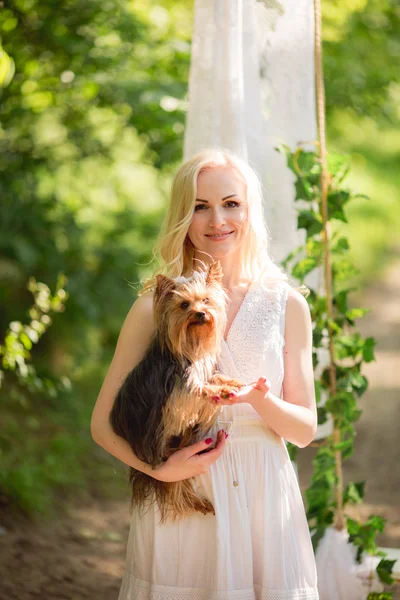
{"points": [[206, 301], [185, 305]]}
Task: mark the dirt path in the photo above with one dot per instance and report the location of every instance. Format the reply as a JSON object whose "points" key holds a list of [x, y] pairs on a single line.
{"points": [[82, 555]]}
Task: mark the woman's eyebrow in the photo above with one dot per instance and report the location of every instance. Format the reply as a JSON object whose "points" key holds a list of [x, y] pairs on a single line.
{"points": [[226, 198]]}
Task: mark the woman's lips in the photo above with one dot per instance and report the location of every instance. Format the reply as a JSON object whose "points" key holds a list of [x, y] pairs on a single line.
{"points": [[219, 237]]}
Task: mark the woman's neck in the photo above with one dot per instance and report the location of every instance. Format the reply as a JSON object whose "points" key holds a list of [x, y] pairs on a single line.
{"points": [[232, 274]]}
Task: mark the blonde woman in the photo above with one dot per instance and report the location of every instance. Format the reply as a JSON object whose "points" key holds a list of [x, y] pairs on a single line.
{"points": [[257, 545]]}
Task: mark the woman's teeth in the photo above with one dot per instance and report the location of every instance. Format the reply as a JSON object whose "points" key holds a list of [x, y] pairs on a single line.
{"points": [[219, 236]]}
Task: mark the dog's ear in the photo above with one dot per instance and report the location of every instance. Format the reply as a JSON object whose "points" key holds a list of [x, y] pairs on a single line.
{"points": [[214, 274], [165, 286]]}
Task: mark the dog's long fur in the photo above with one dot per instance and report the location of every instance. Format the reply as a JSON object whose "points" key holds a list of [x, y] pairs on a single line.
{"points": [[165, 402]]}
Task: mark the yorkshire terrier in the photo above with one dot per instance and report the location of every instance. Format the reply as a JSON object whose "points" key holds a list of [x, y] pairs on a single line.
{"points": [[168, 401]]}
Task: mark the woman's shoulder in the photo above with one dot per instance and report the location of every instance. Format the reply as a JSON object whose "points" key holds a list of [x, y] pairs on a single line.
{"points": [[140, 316], [297, 308]]}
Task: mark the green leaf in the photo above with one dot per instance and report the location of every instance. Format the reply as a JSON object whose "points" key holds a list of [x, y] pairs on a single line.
{"points": [[343, 269], [356, 313], [304, 190], [303, 267], [322, 415], [384, 570], [342, 245], [354, 493], [310, 221], [292, 450], [368, 350], [25, 340], [317, 388]]}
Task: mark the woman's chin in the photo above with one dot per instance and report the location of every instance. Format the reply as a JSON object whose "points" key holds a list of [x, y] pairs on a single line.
{"points": [[218, 253]]}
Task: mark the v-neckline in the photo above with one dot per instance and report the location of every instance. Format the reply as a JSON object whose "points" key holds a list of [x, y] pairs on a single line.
{"points": [[240, 309]]}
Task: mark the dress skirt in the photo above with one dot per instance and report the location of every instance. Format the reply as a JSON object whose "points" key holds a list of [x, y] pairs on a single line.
{"points": [[257, 546]]}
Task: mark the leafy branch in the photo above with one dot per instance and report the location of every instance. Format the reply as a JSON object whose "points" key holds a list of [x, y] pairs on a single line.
{"points": [[16, 368], [342, 382]]}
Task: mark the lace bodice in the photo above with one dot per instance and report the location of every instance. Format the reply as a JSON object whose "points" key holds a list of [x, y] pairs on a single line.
{"points": [[254, 345]]}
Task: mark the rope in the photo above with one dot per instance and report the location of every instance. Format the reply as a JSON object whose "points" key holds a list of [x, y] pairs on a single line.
{"points": [[326, 236]]}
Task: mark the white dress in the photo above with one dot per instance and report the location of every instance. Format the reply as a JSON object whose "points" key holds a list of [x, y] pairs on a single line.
{"points": [[257, 546]]}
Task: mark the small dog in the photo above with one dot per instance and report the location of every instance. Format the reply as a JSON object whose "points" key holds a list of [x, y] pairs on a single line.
{"points": [[167, 401]]}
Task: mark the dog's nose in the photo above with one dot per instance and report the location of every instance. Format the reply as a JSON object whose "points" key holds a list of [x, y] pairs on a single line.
{"points": [[200, 315]]}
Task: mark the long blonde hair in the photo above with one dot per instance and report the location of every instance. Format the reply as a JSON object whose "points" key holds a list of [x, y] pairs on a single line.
{"points": [[174, 251]]}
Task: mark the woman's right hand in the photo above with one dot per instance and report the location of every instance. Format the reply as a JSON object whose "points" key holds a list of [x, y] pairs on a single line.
{"points": [[187, 462]]}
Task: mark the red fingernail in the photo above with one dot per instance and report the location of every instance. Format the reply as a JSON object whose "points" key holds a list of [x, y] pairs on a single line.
{"points": [[226, 435], [215, 397], [263, 379], [208, 441], [232, 394]]}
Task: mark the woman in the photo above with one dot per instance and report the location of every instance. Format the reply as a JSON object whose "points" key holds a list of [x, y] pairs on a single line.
{"points": [[257, 545]]}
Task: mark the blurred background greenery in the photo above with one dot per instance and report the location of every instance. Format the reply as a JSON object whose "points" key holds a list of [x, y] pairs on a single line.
{"points": [[92, 111]]}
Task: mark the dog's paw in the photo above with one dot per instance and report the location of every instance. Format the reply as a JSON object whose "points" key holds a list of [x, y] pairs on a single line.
{"points": [[226, 392], [211, 392]]}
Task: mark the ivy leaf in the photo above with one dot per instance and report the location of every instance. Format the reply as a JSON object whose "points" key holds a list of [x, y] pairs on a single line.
{"points": [[356, 313], [317, 536], [380, 596], [342, 404], [359, 383], [322, 415], [310, 221], [384, 570], [340, 299], [348, 346], [338, 165], [343, 269], [336, 202], [344, 446], [353, 527], [317, 388], [292, 450], [303, 267], [342, 245], [304, 190], [354, 493]]}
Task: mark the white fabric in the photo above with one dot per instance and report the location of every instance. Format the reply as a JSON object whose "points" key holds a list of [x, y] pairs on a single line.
{"points": [[257, 546], [230, 106], [340, 577]]}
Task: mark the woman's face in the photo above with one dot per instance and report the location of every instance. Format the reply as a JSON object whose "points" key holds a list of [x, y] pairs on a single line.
{"points": [[220, 222]]}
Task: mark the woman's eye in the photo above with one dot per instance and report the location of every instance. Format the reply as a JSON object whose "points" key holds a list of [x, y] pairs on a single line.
{"points": [[206, 301], [230, 204], [184, 305]]}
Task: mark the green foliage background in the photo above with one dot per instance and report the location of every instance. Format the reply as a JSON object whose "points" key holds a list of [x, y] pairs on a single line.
{"points": [[91, 130]]}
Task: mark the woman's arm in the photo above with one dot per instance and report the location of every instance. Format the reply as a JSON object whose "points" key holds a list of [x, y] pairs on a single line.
{"points": [[133, 341], [295, 417]]}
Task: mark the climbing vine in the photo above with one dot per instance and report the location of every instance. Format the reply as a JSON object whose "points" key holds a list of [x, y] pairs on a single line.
{"points": [[342, 383]]}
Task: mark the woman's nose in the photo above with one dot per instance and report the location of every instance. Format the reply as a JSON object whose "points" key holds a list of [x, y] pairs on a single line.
{"points": [[216, 218]]}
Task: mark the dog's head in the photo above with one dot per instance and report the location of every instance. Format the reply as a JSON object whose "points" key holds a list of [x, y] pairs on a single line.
{"points": [[190, 314]]}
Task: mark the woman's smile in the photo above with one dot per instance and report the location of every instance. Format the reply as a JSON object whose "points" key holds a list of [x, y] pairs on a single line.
{"points": [[219, 237]]}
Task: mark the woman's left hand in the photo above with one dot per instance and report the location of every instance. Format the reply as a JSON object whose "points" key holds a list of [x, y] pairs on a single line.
{"points": [[249, 393]]}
